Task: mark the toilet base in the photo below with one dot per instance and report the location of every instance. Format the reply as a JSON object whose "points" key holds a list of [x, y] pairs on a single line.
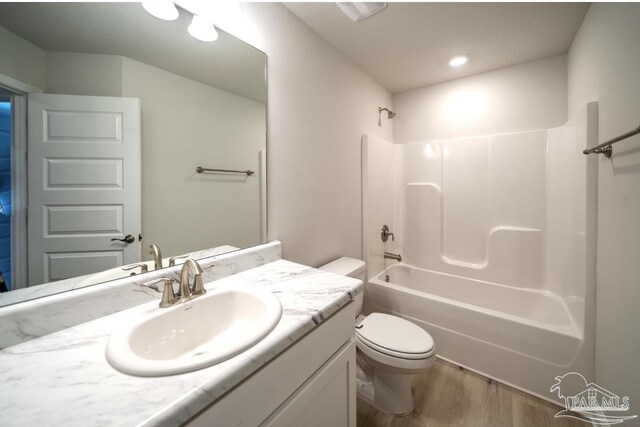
{"points": [[388, 392], [371, 402]]}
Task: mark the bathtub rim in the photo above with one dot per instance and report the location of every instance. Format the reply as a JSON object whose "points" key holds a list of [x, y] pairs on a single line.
{"points": [[572, 330]]}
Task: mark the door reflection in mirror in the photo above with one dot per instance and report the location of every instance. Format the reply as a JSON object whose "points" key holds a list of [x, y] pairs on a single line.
{"points": [[122, 109]]}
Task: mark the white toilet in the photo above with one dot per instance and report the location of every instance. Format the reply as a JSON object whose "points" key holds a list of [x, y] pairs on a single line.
{"points": [[390, 350]]}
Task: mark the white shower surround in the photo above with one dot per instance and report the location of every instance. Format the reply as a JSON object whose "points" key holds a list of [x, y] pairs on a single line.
{"points": [[497, 245]]}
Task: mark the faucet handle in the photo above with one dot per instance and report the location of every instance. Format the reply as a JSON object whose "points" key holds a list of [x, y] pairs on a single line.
{"points": [[385, 233], [172, 260], [143, 267], [168, 295]]}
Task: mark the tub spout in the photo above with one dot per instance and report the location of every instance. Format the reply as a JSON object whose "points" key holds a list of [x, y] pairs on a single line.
{"points": [[389, 255]]}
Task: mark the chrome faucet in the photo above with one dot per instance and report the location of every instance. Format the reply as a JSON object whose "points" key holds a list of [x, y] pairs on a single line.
{"points": [[389, 255], [157, 256], [188, 291]]}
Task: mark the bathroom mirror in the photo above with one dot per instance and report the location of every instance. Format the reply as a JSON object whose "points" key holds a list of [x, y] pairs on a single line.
{"points": [[117, 109]]}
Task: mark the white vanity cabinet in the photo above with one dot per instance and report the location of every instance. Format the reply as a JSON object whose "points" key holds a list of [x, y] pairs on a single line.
{"points": [[310, 384]]}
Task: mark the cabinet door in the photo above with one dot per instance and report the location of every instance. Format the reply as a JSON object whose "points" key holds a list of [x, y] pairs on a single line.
{"points": [[328, 398], [263, 396]]}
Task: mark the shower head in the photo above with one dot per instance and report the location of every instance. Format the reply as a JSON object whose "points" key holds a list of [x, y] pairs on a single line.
{"points": [[390, 114]]}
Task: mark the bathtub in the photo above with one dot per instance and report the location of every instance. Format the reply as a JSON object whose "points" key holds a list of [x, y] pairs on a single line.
{"points": [[520, 337]]}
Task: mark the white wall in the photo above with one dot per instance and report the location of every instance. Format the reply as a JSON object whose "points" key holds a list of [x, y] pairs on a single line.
{"points": [[523, 97], [21, 60], [320, 104], [73, 73], [187, 124], [604, 65]]}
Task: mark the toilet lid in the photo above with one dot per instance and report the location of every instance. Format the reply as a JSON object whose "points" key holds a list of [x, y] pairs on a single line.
{"points": [[393, 335]]}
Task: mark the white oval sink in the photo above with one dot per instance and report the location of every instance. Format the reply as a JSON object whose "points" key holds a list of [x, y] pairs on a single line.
{"points": [[194, 335]]}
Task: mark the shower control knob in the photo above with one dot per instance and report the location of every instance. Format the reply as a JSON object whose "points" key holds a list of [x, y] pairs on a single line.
{"points": [[384, 235]]}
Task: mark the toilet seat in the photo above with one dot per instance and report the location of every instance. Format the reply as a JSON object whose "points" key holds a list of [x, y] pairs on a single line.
{"points": [[395, 337]]}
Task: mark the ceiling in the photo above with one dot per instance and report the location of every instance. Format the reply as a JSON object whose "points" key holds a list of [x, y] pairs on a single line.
{"points": [[127, 29], [407, 45]]}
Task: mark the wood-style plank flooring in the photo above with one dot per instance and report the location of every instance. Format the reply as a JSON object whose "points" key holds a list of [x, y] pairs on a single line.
{"points": [[448, 396]]}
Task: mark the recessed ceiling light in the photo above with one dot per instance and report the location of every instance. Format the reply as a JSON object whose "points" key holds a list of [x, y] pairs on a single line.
{"points": [[458, 60], [163, 9]]}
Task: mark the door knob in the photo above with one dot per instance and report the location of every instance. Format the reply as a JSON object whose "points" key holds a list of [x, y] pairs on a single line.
{"points": [[127, 239]]}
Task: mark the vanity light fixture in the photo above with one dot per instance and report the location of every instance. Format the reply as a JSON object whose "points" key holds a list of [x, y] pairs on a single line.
{"points": [[458, 60], [202, 29], [163, 9]]}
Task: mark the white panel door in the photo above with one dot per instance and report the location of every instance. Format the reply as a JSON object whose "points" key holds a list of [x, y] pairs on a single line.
{"points": [[84, 184]]}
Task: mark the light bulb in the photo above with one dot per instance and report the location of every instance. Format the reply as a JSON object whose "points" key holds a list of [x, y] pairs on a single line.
{"points": [[163, 9], [202, 29], [458, 60]]}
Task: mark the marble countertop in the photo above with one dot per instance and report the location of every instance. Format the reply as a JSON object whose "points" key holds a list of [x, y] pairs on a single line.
{"points": [[64, 379]]}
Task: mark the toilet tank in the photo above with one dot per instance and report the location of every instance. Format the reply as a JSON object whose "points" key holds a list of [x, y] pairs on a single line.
{"points": [[349, 267]]}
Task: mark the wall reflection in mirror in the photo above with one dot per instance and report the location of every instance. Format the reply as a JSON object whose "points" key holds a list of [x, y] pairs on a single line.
{"points": [[116, 110]]}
